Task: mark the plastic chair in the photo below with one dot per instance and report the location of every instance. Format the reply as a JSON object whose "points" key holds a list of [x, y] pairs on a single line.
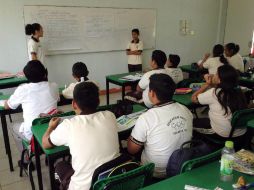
{"points": [[132, 180], [28, 154], [239, 120], [194, 163]]}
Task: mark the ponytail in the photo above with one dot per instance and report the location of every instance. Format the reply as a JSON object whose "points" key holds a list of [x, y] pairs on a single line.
{"points": [[223, 60], [31, 28]]}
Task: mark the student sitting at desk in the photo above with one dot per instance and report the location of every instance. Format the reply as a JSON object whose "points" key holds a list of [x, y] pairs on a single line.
{"points": [[214, 62], [221, 94], [233, 56], [91, 136], [36, 97], [162, 129], [157, 64], [171, 68], [80, 74]]}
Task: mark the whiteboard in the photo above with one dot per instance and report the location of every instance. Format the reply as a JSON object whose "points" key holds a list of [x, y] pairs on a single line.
{"points": [[85, 29]]}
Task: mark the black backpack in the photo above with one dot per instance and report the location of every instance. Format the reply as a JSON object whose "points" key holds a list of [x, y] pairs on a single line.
{"points": [[196, 148], [123, 107]]}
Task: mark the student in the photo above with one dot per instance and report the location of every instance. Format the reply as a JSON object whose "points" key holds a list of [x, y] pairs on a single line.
{"points": [[134, 52], [171, 68], [157, 64], [214, 62], [80, 74], [91, 136], [37, 96], [35, 50], [221, 94], [233, 56], [162, 129]]}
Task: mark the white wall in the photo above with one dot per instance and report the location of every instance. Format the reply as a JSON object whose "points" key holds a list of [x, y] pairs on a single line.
{"points": [[240, 24], [205, 17]]}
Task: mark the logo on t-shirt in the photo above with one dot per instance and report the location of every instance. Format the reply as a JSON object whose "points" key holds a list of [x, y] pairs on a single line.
{"points": [[177, 123]]}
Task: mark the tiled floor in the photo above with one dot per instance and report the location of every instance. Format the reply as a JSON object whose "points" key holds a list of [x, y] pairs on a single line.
{"points": [[11, 180]]}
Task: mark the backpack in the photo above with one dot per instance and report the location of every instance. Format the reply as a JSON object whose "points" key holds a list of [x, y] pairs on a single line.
{"points": [[195, 149], [122, 107]]}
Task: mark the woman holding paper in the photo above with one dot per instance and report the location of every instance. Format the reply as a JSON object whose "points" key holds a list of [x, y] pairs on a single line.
{"points": [[35, 50]]}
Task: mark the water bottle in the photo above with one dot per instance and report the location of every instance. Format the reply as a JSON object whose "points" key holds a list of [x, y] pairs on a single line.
{"points": [[227, 160]]}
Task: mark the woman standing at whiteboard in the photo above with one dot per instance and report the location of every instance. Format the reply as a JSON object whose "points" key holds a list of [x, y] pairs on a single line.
{"points": [[35, 51], [134, 52]]}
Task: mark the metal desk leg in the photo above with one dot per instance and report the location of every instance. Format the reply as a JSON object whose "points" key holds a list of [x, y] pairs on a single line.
{"points": [[38, 163], [51, 172], [6, 140], [123, 92], [107, 91]]}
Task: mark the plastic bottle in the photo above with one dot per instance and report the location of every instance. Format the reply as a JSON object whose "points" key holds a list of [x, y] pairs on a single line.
{"points": [[227, 159]]}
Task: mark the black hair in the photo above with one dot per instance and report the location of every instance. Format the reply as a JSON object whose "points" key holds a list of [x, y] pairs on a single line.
{"points": [[135, 30], [35, 71], [234, 48], [229, 95], [163, 86], [79, 70], [159, 57], [218, 51], [174, 59], [86, 95], [31, 28]]}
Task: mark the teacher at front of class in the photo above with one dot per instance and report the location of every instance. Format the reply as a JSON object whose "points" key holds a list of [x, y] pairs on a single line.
{"points": [[35, 50], [134, 52]]}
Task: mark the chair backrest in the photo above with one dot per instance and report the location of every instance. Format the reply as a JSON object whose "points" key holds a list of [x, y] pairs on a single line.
{"points": [[123, 158], [42, 120], [194, 163], [240, 119], [131, 180]]}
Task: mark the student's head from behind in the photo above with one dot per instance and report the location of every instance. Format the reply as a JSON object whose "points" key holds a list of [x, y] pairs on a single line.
{"points": [[79, 70], [218, 51], [135, 34], [231, 49], [229, 95], [85, 97], [35, 71], [161, 88], [34, 29], [173, 60], [158, 59]]}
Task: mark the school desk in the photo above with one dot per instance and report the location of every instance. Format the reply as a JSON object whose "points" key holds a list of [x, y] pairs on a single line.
{"points": [[56, 152], [4, 84], [207, 176], [250, 124], [12, 82], [194, 73], [4, 113], [116, 79], [243, 81]]}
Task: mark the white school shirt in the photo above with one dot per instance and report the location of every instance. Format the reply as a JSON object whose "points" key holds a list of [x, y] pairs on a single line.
{"points": [[162, 130], [220, 123], [135, 59], [212, 65], [144, 84], [237, 62], [175, 73], [93, 141], [35, 47], [68, 92], [35, 98]]}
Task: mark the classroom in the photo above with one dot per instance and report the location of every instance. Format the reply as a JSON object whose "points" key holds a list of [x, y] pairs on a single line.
{"points": [[126, 94]]}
